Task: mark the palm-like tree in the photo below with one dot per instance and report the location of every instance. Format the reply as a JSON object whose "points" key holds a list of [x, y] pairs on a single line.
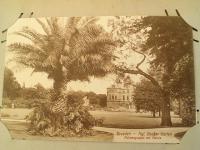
{"points": [[73, 50]]}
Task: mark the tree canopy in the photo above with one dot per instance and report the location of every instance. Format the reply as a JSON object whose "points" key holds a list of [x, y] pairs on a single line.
{"points": [[147, 97], [72, 49], [162, 43]]}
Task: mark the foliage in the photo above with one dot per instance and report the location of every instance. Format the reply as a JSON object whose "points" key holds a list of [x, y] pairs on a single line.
{"points": [[11, 87], [102, 100], [71, 49], [171, 48], [24, 97], [188, 111], [164, 41], [183, 89], [72, 119], [147, 97], [33, 93], [97, 100]]}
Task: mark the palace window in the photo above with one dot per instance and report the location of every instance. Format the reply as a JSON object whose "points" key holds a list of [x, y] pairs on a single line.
{"points": [[110, 97], [124, 98], [113, 97]]}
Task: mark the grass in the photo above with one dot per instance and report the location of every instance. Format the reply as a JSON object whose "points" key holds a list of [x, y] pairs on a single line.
{"points": [[5, 115], [17, 113], [125, 120], [18, 130], [131, 120], [128, 120]]}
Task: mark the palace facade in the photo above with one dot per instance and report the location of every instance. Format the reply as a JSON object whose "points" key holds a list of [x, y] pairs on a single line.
{"points": [[121, 94]]}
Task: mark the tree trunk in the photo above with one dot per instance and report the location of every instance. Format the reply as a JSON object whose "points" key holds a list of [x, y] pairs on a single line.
{"points": [[58, 88], [159, 113], [179, 107], [166, 118], [154, 113], [58, 84]]}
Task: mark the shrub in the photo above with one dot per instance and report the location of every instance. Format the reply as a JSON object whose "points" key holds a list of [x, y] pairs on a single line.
{"points": [[188, 113], [65, 117]]}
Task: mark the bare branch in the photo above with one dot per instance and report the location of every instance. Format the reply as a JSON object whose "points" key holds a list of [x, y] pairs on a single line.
{"points": [[144, 56], [138, 70]]}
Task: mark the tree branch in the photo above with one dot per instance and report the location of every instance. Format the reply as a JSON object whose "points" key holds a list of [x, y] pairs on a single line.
{"points": [[144, 56], [153, 80], [139, 71]]}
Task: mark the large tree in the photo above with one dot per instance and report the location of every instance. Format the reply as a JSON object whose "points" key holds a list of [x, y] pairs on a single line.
{"points": [[164, 41], [72, 49], [183, 89], [66, 49]]}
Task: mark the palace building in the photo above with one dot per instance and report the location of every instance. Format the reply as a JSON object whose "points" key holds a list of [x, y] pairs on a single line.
{"points": [[121, 94]]}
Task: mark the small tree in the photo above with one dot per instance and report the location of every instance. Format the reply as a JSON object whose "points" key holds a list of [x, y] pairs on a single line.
{"points": [[147, 97]]}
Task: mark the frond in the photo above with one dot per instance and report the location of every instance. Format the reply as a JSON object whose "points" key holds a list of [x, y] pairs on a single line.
{"points": [[72, 21], [35, 37], [88, 21], [91, 39], [80, 46], [24, 49], [44, 27], [56, 29]]}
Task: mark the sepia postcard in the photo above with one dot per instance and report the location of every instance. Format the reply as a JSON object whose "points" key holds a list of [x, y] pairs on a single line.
{"points": [[99, 78]]}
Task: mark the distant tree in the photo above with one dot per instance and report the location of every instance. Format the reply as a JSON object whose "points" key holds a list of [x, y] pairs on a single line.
{"points": [[93, 98], [11, 88], [30, 93], [39, 86], [102, 100], [147, 97], [42, 92]]}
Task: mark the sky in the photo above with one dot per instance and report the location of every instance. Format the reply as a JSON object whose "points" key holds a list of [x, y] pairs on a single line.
{"points": [[25, 76]]}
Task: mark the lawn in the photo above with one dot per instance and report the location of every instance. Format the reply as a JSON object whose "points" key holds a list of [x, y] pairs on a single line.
{"points": [[18, 130], [129, 120], [14, 121]]}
